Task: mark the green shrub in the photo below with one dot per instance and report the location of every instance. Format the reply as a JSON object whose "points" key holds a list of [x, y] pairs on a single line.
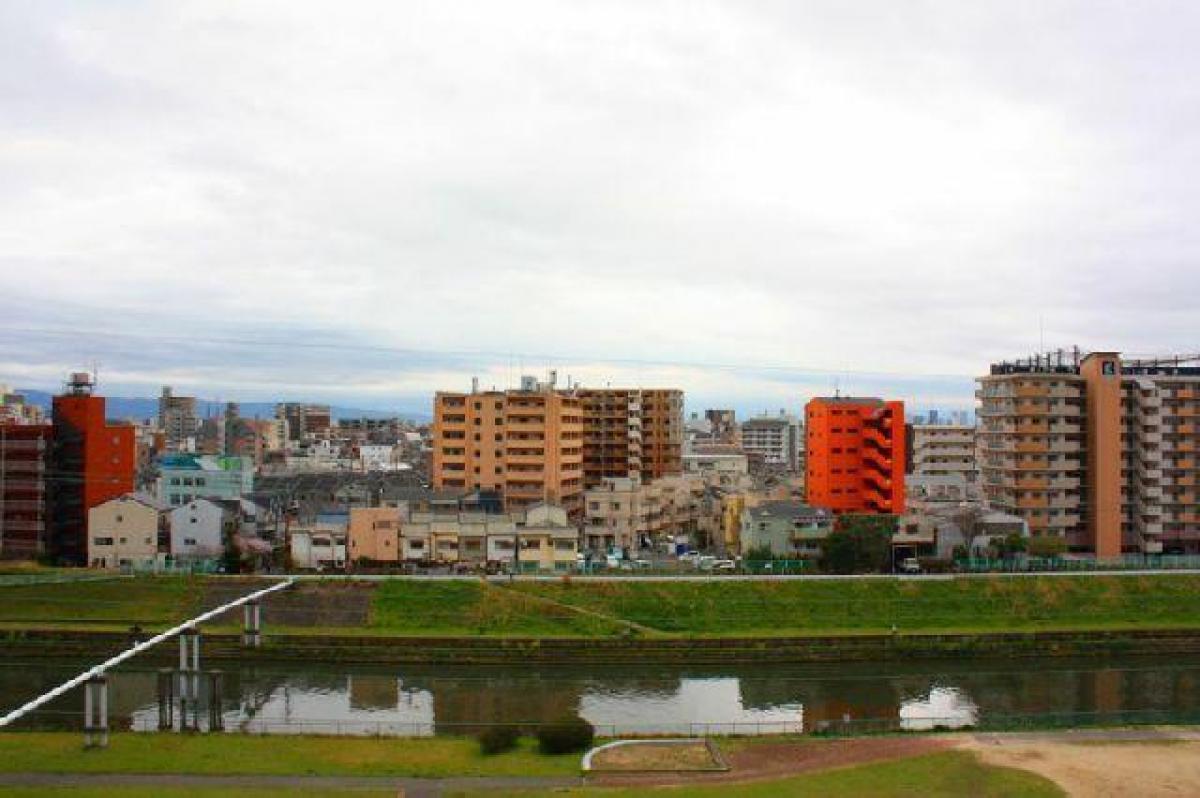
{"points": [[498, 739], [565, 736]]}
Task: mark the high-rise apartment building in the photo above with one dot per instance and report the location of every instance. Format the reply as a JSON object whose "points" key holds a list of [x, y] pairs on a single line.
{"points": [[526, 445], [177, 418], [24, 449], [631, 433], [944, 450], [775, 440], [92, 461], [855, 454], [1096, 449], [304, 420]]}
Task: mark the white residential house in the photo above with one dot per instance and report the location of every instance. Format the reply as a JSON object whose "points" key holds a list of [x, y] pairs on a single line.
{"points": [[198, 529], [319, 547]]}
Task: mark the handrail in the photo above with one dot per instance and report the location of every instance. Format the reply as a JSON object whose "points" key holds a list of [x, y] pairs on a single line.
{"points": [[189, 625]]}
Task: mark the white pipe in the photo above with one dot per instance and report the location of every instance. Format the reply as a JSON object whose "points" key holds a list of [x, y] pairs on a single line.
{"points": [[132, 652]]}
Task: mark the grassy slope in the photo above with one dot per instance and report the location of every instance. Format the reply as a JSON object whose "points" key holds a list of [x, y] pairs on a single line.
{"points": [[817, 606], [273, 755], [470, 608], [944, 775], [719, 607], [122, 602]]}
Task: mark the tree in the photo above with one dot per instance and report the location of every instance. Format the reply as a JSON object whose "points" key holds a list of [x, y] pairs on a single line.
{"points": [[1010, 546], [1046, 546], [858, 544]]}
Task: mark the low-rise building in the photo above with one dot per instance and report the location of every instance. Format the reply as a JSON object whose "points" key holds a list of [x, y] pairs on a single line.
{"points": [[547, 541], [628, 516], [729, 471], [786, 529], [198, 530], [318, 547], [126, 532], [374, 534]]}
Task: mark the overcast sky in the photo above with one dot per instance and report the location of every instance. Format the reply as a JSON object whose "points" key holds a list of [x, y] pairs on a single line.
{"points": [[753, 201]]}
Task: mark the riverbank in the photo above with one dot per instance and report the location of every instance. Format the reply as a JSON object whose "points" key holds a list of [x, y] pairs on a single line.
{"points": [[617, 610], [475, 650]]}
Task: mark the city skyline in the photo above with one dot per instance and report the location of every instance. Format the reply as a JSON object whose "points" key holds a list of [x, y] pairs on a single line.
{"points": [[903, 192]]}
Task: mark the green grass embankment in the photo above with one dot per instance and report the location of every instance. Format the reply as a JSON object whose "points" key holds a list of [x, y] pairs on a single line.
{"points": [[821, 607], [110, 603], [717, 608]]}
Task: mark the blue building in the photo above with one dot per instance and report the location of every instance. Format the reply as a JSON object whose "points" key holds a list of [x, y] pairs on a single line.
{"points": [[186, 477]]}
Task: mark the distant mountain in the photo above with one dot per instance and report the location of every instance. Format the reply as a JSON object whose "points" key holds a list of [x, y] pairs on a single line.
{"points": [[140, 407]]}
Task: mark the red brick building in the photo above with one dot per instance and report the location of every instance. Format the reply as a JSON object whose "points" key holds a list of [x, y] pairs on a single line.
{"points": [[856, 454], [92, 461]]}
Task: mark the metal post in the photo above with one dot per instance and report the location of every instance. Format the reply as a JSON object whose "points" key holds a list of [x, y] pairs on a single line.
{"points": [[216, 720], [95, 712], [166, 699], [252, 631]]}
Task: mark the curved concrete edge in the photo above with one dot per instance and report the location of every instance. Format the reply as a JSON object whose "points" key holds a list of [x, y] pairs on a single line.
{"points": [[586, 763]]}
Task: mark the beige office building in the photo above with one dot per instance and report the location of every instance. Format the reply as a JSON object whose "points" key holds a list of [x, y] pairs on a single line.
{"points": [[1097, 449], [526, 445]]}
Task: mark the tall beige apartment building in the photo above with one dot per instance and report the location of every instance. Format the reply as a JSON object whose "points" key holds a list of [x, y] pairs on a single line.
{"points": [[1097, 449], [944, 450], [526, 444], [631, 433]]}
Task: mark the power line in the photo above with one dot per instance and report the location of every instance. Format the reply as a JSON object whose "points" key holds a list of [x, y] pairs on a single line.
{"points": [[496, 355]]}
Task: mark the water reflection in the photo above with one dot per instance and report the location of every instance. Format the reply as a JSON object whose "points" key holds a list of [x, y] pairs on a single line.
{"points": [[942, 707], [743, 699]]}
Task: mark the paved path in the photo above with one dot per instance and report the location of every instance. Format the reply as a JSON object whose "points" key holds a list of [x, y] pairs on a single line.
{"points": [[412, 788]]}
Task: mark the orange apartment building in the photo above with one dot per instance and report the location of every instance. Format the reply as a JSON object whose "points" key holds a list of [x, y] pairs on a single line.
{"points": [[526, 445], [631, 433], [1101, 451], [855, 454]]}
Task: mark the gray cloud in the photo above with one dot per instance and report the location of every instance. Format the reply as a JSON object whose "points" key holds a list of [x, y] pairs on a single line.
{"points": [[629, 190]]}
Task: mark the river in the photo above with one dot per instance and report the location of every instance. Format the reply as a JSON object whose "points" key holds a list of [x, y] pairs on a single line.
{"points": [[413, 700]]}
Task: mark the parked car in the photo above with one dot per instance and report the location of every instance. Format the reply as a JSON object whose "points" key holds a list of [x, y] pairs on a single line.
{"points": [[689, 557], [724, 566], [910, 565], [706, 562]]}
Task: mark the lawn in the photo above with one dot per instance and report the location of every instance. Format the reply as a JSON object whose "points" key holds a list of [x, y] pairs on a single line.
{"points": [[145, 600], [579, 608], [273, 755], [823, 606], [951, 774], [408, 607], [159, 791]]}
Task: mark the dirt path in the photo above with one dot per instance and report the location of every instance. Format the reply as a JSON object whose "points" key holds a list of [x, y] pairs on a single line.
{"points": [[1153, 768], [758, 761]]}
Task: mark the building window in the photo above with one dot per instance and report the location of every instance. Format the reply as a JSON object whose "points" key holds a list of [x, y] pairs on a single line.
{"points": [[102, 541]]}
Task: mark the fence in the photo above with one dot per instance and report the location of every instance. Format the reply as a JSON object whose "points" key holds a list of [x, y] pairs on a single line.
{"points": [[845, 726], [1127, 562]]}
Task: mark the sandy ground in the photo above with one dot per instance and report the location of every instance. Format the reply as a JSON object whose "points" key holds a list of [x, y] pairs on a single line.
{"points": [[774, 760], [1148, 769], [683, 756]]}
